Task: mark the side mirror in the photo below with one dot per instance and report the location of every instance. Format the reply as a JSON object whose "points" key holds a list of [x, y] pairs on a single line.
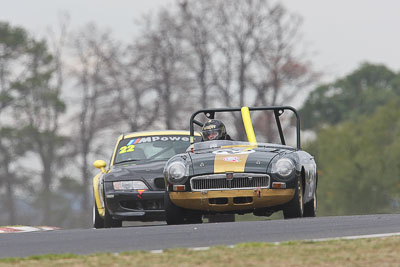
{"points": [[100, 164]]}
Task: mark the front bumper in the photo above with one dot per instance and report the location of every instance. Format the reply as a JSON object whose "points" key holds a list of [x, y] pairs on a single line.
{"points": [[135, 206], [232, 200]]}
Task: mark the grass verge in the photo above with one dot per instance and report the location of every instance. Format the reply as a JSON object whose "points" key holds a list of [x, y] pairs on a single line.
{"points": [[361, 252]]}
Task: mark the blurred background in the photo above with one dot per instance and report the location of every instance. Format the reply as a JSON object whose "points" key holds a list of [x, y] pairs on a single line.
{"points": [[76, 74]]}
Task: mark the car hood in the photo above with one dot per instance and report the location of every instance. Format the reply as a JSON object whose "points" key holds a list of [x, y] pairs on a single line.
{"points": [[135, 171], [249, 160]]}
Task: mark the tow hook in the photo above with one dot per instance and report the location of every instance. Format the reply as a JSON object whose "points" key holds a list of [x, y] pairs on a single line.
{"points": [[258, 192]]}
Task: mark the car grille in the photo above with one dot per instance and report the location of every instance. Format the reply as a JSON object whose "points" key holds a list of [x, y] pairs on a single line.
{"points": [[220, 182], [142, 204]]}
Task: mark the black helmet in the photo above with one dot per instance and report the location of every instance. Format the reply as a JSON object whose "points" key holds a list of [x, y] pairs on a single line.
{"points": [[213, 130]]}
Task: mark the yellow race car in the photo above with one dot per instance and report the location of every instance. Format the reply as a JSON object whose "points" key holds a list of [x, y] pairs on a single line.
{"points": [[132, 188]]}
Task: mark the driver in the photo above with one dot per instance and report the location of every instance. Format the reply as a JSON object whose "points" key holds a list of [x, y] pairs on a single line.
{"points": [[214, 130]]}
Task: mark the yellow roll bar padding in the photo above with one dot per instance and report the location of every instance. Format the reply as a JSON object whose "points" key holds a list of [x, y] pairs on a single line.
{"points": [[251, 137]]}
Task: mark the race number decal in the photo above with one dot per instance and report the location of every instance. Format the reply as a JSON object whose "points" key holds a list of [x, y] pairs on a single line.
{"points": [[125, 149]]}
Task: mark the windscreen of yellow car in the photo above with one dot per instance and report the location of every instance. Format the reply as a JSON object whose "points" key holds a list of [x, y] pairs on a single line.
{"points": [[151, 148]]}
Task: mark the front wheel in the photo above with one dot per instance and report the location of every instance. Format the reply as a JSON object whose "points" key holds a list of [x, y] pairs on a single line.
{"points": [[173, 213], [98, 222], [310, 208], [109, 222], [295, 207]]}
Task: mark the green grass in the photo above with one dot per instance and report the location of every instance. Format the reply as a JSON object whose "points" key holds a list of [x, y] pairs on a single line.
{"points": [[361, 252]]}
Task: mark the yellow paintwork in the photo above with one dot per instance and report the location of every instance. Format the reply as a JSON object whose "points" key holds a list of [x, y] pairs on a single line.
{"points": [[100, 208], [222, 166], [251, 137], [100, 164], [200, 201]]}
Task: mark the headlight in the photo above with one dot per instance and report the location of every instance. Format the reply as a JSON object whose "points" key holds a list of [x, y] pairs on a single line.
{"points": [[284, 168], [176, 172], [129, 185]]}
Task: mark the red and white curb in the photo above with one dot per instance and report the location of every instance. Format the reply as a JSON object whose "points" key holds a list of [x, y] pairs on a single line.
{"points": [[23, 229]]}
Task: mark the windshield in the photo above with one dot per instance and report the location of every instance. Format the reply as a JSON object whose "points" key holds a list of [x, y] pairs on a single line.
{"points": [[148, 148], [216, 144]]}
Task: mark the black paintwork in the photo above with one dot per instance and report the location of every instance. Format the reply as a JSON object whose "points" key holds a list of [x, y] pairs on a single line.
{"points": [[263, 157], [147, 206], [259, 161], [141, 171]]}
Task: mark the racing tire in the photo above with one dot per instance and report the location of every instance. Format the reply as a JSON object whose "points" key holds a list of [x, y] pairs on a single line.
{"points": [[98, 221], [216, 218], [310, 208], [173, 214], [109, 222], [295, 207]]}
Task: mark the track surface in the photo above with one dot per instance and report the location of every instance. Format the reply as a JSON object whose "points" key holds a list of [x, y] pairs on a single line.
{"points": [[85, 241]]}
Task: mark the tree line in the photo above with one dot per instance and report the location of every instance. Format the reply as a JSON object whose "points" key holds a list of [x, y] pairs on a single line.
{"points": [[357, 124], [65, 97]]}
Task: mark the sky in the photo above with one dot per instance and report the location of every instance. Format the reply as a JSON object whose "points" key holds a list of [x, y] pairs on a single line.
{"points": [[340, 34]]}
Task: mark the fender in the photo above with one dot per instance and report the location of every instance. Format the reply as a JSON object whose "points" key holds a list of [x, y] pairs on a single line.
{"points": [[98, 199]]}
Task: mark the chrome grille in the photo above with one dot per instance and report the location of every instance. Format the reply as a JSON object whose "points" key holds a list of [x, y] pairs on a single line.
{"points": [[239, 181]]}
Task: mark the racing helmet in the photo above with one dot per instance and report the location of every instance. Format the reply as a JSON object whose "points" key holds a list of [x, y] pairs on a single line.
{"points": [[213, 130]]}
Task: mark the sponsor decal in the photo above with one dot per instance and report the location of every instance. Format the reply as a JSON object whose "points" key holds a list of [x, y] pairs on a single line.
{"points": [[157, 138], [232, 159], [134, 141], [140, 191], [209, 127], [145, 140]]}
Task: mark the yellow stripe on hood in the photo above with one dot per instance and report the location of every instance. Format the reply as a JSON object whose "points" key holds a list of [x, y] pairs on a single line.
{"points": [[230, 162]]}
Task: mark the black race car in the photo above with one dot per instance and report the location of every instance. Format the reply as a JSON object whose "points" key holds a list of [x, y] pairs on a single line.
{"points": [[238, 177], [133, 187]]}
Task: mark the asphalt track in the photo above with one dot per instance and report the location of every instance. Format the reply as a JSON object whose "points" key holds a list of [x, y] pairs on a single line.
{"points": [[86, 241]]}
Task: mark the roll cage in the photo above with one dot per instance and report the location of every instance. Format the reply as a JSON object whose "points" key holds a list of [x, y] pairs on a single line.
{"points": [[278, 111]]}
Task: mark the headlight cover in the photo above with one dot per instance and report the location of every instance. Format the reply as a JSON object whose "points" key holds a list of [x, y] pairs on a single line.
{"points": [[176, 172], [284, 168], [129, 185]]}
